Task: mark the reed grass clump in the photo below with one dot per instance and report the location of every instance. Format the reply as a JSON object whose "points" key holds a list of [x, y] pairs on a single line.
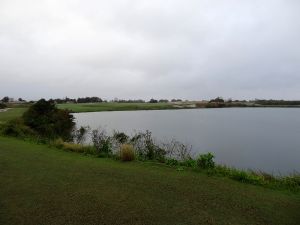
{"points": [[67, 146], [127, 152]]}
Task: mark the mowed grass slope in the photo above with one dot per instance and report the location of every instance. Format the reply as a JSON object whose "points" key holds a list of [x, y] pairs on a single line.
{"points": [[113, 106], [11, 114], [40, 185]]}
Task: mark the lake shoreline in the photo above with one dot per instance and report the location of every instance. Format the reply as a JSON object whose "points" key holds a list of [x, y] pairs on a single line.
{"points": [[245, 138]]}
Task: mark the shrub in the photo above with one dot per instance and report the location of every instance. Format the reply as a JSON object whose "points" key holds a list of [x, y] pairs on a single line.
{"points": [[246, 177], [178, 150], [292, 182], [50, 122], [79, 135], [189, 163], [2, 105], [127, 152], [146, 147], [102, 143], [265, 176], [121, 137], [16, 128], [172, 162], [149, 145], [205, 161], [240, 175]]}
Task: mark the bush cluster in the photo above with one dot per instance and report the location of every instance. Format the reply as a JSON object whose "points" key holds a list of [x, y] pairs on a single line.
{"points": [[48, 121], [146, 147], [2, 105], [102, 143], [205, 161], [17, 128]]}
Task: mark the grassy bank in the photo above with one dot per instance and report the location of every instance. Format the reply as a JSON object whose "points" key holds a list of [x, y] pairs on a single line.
{"points": [[111, 106], [11, 113], [40, 185]]}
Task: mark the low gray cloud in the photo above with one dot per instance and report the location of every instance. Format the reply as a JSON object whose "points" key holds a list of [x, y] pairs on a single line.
{"points": [[142, 49]]}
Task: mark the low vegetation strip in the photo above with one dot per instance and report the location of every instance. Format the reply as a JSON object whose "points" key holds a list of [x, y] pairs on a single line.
{"points": [[98, 107], [41, 185]]}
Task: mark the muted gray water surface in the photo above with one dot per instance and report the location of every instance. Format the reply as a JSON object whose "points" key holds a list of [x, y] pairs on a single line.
{"points": [[265, 139]]}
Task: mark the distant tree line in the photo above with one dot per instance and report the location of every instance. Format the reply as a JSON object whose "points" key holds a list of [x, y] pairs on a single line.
{"points": [[78, 100], [89, 100], [216, 102], [276, 102], [7, 99], [98, 100]]}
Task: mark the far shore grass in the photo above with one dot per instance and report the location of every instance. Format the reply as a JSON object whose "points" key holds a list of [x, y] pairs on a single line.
{"points": [[42, 185], [11, 113], [14, 112], [113, 106]]}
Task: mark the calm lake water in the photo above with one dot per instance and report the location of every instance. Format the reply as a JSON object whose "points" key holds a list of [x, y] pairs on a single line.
{"points": [[266, 139]]}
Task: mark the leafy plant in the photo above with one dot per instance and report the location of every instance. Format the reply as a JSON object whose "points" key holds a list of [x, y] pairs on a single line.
{"points": [[189, 163], [102, 142], [205, 161], [79, 135], [178, 150], [172, 162], [16, 128], [49, 121], [121, 137], [146, 148]]}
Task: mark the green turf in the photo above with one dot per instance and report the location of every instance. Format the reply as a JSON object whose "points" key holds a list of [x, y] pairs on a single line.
{"points": [[11, 114], [97, 107], [39, 185]]}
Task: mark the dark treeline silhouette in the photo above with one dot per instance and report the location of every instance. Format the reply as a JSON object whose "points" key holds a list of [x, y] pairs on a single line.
{"points": [[176, 100], [217, 100], [47, 120], [276, 102], [153, 101], [89, 100], [64, 100], [7, 99], [78, 100]]}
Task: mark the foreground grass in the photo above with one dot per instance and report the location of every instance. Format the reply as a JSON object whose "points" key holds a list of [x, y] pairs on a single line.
{"points": [[39, 185], [11, 113], [112, 106]]}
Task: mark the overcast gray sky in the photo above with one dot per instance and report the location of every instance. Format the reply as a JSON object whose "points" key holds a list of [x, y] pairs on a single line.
{"points": [[190, 49]]}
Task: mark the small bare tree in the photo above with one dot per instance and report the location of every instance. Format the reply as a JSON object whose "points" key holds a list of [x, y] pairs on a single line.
{"points": [[79, 135]]}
